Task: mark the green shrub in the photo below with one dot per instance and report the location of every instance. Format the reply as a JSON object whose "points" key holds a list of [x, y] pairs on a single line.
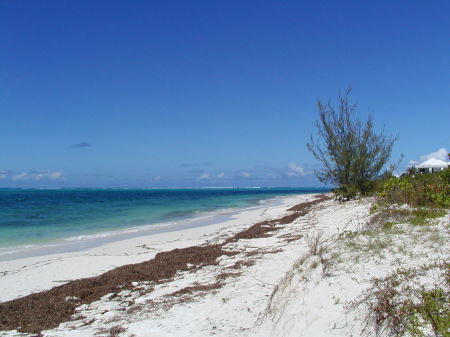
{"points": [[433, 310], [346, 192], [421, 216], [385, 218], [416, 190]]}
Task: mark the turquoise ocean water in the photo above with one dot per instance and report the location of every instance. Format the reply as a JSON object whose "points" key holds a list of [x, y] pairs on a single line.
{"points": [[36, 218]]}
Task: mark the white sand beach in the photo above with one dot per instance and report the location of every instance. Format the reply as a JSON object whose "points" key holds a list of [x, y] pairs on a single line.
{"points": [[274, 286]]}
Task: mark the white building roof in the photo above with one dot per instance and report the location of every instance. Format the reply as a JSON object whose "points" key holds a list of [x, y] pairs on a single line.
{"points": [[433, 162]]}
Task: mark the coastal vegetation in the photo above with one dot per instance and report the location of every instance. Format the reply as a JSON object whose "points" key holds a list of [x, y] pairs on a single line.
{"points": [[404, 209], [351, 152], [405, 302], [400, 304], [416, 190]]}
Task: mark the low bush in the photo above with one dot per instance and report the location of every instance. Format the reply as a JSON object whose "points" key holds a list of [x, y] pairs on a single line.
{"points": [[316, 243], [385, 218], [412, 301], [421, 216], [416, 190]]}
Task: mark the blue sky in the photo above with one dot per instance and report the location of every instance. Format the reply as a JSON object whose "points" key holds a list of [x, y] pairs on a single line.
{"points": [[209, 93]]}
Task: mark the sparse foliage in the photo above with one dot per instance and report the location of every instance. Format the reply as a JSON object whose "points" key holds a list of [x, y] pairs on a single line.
{"points": [[315, 243], [402, 304], [352, 154], [317, 247]]}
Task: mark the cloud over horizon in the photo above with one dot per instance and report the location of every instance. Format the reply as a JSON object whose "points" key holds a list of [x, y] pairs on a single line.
{"points": [[220, 175], [296, 170], [205, 176], [441, 154], [38, 175]]}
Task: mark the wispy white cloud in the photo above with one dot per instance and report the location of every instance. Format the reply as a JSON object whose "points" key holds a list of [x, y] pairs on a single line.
{"points": [[220, 175], [441, 154], [296, 170], [246, 174], [157, 178], [3, 174], [273, 175], [38, 175]]}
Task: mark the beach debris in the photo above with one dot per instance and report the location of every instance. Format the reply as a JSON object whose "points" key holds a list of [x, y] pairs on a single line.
{"points": [[48, 309]]}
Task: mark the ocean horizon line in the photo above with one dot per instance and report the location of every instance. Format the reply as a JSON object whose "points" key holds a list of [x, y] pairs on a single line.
{"points": [[166, 188]]}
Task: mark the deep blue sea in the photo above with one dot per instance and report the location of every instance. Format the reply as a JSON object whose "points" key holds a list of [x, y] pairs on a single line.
{"points": [[36, 217]]}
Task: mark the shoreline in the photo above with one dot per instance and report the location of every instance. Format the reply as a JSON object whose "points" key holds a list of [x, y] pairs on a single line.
{"points": [[84, 242], [295, 270], [23, 276], [48, 309]]}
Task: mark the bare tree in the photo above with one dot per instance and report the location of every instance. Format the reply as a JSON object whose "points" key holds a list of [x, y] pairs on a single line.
{"points": [[351, 152]]}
